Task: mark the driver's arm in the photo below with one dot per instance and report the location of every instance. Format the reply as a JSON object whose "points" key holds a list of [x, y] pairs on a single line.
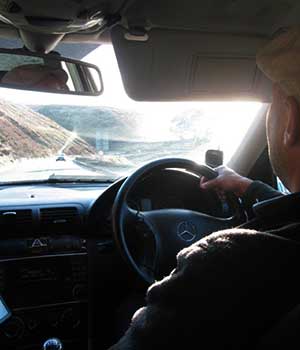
{"points": [[248, 190]]}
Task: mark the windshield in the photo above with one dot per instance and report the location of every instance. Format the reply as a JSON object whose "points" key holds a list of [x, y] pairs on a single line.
{"points": [[54, 136]]}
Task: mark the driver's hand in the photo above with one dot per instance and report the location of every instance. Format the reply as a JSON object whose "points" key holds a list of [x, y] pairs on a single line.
{"points": [[227, 181]]}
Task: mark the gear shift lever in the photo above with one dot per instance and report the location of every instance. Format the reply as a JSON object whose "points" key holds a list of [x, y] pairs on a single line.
{"points": [[53, 344]]}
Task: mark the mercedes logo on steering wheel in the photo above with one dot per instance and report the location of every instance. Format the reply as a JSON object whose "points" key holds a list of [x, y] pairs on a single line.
{"points": [[186, 230]]}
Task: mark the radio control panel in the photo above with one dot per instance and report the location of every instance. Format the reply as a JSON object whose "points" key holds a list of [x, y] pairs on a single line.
{"points": [[45, 279]]}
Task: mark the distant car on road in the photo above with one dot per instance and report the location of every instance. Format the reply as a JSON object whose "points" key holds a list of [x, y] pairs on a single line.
{"points": [[61, 157]]}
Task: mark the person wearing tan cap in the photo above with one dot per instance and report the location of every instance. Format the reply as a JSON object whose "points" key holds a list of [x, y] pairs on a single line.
{"points": [[231, 288], [280, 61], [38, 77]]}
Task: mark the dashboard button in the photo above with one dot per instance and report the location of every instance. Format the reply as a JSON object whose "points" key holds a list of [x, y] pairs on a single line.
{"points": [[32, 324], [14, 328], [69, 319], [79, 291]]}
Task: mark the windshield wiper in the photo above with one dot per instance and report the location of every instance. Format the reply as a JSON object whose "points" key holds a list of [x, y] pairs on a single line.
{"points": [[80, 178], [57, 179]]}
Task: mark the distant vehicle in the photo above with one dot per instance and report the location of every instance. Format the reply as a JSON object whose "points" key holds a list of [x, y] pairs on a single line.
{"points": [[61, 157]]}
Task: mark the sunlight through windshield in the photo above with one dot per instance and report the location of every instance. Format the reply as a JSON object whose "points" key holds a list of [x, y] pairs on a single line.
{"points": [[44, 134]]}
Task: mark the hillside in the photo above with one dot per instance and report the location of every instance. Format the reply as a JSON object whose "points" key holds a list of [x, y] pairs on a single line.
{"points": [[109, 123], [27, 134]]}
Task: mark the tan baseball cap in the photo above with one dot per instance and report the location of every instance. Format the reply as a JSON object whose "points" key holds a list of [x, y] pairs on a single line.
{"points": [[280, 61]]}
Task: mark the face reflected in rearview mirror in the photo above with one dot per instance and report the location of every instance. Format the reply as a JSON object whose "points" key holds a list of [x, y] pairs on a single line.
{"points": [[24, 70]]}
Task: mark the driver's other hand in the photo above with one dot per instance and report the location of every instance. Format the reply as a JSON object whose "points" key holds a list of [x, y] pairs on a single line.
{"points": [[227, 181]]}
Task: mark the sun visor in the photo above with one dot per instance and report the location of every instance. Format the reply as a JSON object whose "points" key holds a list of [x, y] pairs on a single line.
{"points": [[168, 65]]}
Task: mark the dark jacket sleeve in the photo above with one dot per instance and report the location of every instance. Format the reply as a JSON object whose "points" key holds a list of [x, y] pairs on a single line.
{"points": [[257, 192], [226, 291]]}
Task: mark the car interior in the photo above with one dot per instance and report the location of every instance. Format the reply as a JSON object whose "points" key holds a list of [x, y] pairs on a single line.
{"points": [[77, 256]]}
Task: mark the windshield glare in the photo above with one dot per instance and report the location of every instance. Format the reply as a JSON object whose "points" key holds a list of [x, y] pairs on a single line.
{"points": [[46, 135]]}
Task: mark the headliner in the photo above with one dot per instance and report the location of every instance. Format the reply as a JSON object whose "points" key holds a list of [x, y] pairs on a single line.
{"points": [[197, 49], [72, 50], [259, 17]]}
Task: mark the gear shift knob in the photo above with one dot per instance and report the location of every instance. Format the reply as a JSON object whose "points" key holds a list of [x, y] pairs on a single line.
{"points": [[53, 344]]}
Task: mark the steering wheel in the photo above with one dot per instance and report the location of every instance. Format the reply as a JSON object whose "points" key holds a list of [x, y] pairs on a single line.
{"points": [[168, 230]]}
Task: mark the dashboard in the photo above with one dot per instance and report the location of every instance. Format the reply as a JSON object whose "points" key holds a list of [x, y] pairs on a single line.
{"points": [[44, 263], [49, 236]]}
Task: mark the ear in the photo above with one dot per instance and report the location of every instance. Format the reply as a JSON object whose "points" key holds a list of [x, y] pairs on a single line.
{"points": [[291, 135]]}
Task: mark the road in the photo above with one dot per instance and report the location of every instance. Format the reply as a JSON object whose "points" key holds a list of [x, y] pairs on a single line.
{"points": [[42, 168]]}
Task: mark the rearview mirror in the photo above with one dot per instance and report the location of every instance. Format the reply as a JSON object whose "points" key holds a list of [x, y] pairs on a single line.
{"points": [[24, 70]]}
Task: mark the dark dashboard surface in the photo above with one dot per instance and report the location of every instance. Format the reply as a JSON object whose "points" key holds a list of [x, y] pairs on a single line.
{"points": [[50, 237], [44, 263], [38, 209], [36, 194], [83, 209]]}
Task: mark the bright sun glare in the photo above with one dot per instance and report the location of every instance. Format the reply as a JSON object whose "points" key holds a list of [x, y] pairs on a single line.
{"points": [[229, 119]]}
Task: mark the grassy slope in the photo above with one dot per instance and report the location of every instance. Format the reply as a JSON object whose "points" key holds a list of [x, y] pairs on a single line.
{"points": [[26, 134]]}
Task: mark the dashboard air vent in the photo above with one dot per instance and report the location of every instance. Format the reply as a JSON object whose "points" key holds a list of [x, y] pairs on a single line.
{"points": [[16, 221], [60, 220]]}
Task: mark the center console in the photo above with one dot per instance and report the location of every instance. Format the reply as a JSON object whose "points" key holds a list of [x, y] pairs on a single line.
{"points": [[45, 286]]}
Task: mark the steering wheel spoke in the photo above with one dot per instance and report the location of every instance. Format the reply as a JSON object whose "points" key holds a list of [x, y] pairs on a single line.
{"points": [[175, 229], [130, 215]]}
